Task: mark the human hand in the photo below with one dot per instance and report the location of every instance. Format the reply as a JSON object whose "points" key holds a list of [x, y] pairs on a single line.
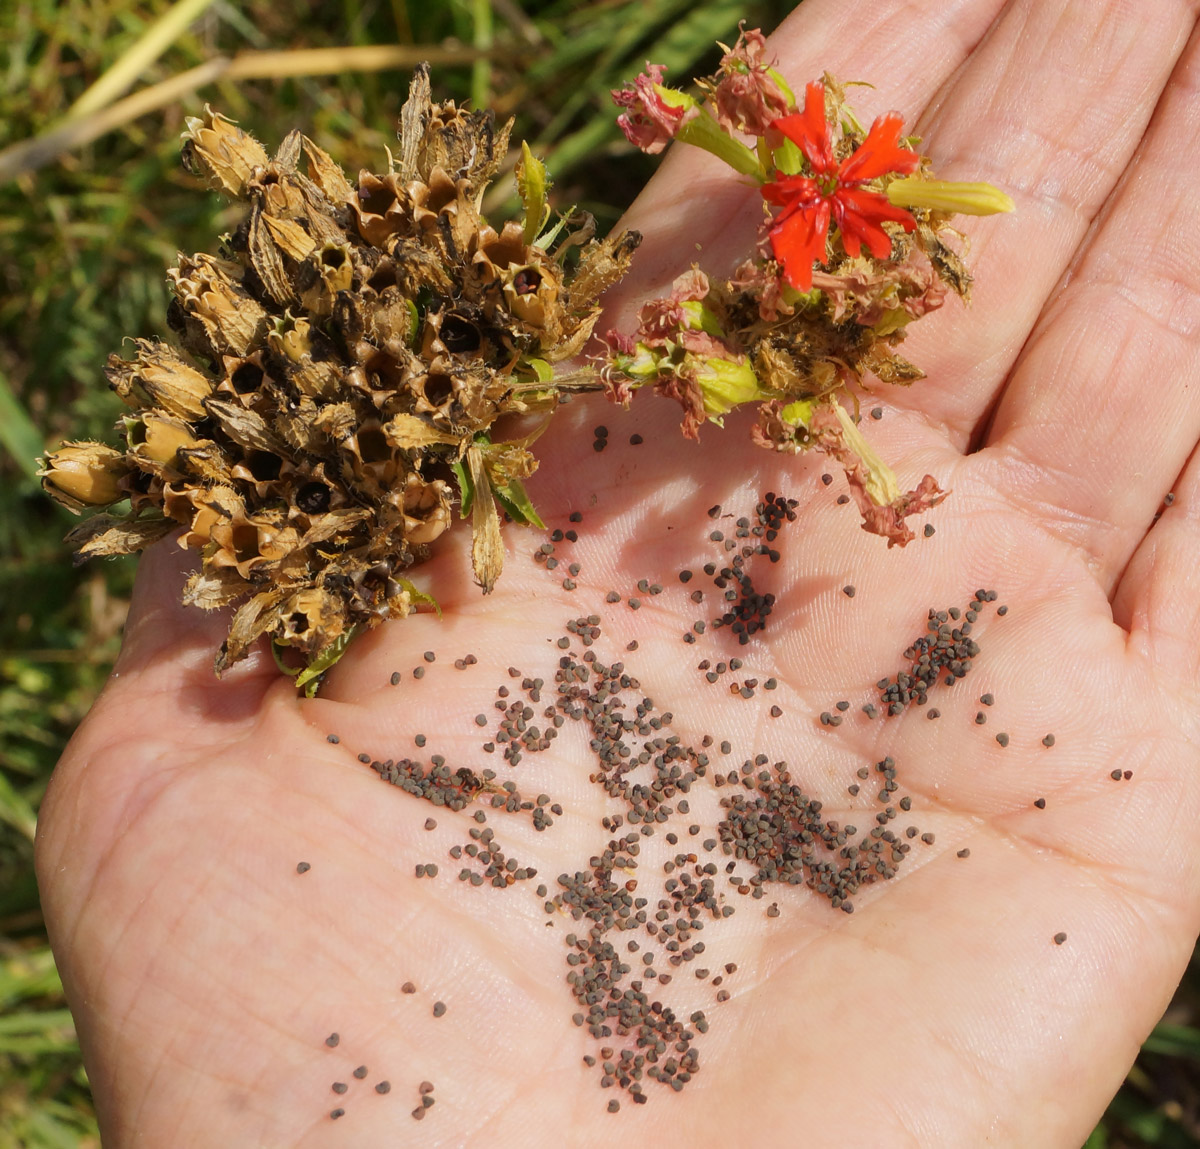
{"points": [[205, 973]]}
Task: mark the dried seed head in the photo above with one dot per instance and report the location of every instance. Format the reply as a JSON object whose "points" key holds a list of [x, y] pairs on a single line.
{"points": [[84, 474], [350, 351]]}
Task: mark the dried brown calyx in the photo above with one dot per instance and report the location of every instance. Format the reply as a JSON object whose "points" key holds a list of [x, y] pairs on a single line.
{"points": [[342, 366]]}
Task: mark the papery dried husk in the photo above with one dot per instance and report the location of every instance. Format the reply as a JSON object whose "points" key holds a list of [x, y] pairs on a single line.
{"points": [[104, 535]]}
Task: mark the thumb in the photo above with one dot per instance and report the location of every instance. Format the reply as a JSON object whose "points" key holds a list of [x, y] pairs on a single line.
{"points": [[173, 645]]}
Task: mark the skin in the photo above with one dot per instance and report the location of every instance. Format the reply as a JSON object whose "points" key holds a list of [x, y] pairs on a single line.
{"points": [[205, 973]]}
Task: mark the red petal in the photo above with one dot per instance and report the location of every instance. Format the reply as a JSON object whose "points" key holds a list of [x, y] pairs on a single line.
{"points": [[798, 242], [791, 192], [809, 130], [879, 153], [859, 214]]}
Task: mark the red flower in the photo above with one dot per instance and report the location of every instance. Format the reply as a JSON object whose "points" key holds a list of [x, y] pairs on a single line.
{"points": [[799, 232]]}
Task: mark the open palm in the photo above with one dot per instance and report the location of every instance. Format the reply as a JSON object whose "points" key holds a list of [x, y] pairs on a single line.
{"points": [[206, 973]]}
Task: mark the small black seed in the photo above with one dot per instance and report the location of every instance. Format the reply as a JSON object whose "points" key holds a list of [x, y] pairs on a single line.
{"points": [[303, 867], [1002, 739], [1059, 938], [1040, 803], [848, 591]]}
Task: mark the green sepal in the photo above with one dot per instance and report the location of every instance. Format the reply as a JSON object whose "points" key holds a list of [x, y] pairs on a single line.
{"points": [[512, 497], [309, 679], [532, 185], [420, 595], [466, 488]]}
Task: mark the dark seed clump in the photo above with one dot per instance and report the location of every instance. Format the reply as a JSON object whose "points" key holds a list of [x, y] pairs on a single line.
{"points": [[945, 652]]}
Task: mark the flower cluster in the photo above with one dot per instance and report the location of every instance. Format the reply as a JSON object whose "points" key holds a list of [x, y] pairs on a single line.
{"points": [[853, 247]]}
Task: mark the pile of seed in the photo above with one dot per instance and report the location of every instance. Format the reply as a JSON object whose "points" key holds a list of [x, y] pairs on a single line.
{"points": [[777, 827], [747, 610], [629, 942], [945, 651]]}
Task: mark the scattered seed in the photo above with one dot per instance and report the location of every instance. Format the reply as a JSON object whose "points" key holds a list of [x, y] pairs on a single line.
{"points": [[1002, 739], [332, 1040], [636, 440], [614, 1106], [418, 672], [1040, 803], [848, 591], [333, 738], [336, 1113], [1059, 938], [876, 412], [1116, 775], [407, 987], [987, 699], [383, 1087], [965, 852], [429, 656], [302, 867], [929, 530], [340, 1087], [360, 1072], [1048, 741], [439, 1008], [480, 719]]}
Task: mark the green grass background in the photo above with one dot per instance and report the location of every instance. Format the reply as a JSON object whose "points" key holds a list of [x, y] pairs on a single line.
{"points": [[86, 235]]}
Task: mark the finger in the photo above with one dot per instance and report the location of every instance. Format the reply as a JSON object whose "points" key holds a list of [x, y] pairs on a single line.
{"points": [[1158, 597], [1101, 413], [1051, 107], [698, 208]]}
